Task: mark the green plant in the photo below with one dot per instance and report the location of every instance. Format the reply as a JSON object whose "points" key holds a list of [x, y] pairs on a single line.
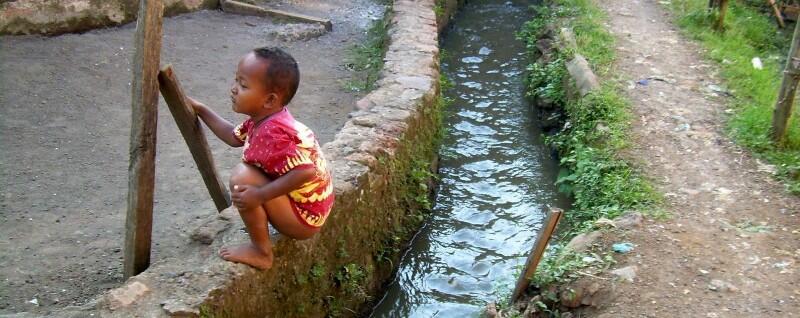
{"points": [[601, 183], [366, 59], [317, 271], [351, 278], [438, 8], [560, 265]]}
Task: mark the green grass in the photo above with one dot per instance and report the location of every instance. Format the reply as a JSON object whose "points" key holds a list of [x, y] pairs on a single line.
{"points": [[366, 59], [600, 182], [748, 33]]}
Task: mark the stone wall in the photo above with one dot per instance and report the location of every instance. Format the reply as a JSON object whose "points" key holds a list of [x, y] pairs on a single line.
{"points": [[391, 135], [53, 17]]}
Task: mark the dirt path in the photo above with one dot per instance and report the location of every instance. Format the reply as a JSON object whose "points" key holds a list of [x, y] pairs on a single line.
{"points": [[730, 221], [64, 129]]}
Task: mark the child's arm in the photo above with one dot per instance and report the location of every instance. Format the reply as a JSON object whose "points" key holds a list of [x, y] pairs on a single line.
{"points": [[221, 127], [247, 196]]}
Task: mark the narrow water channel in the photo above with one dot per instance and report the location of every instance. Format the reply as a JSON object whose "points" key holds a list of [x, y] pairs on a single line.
{"points": [[496, 176]]}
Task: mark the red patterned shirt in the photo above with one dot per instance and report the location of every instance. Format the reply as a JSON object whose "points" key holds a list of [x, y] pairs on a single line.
{"points": [[278, 144]]}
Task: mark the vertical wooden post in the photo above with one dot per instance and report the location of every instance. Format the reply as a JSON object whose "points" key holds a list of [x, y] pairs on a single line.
{"points": [[723, 9], [192, 132], [144, 111], [550, 223], [791, 75]]}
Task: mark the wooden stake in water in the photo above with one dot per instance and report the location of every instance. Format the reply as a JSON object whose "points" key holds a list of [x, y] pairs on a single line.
{"points": [[144, 117], [550, 223], [192, 132]]}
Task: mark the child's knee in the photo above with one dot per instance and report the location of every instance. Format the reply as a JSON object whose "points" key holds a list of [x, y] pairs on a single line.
{"points": [[244, 174]]}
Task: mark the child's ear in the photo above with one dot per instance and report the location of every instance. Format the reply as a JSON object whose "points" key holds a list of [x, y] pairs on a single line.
{"points": [[271, 100]]}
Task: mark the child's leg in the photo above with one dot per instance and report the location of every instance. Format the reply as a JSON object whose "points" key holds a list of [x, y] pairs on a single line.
{"points": [[278, 212]]}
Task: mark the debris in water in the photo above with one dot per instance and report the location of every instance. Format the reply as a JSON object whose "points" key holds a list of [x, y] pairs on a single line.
{"points": [[622, 247], [484, 51], [472, 59]]}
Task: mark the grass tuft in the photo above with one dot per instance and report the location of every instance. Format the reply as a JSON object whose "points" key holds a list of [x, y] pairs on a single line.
{"points": [[366, 59]]}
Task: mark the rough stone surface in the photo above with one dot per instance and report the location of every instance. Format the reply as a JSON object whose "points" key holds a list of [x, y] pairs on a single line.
{"points": [[583, 241], [207, 232], [61, 16], [627, 273], [579, 70], [629, 221], [567, 39], [126, 295], [722, 286]]}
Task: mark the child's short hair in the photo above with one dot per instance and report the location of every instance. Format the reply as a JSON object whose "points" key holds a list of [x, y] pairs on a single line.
{"points": [[282, 71]]}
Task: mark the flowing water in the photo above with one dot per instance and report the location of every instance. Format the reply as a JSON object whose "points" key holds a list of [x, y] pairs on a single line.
{"points": [[496, 176]]}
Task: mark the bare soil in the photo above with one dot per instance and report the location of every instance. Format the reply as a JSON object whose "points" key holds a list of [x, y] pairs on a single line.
{"points": [[65, 124], [730, 221]]}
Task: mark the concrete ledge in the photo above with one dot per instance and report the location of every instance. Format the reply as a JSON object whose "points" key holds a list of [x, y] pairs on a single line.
{"points": [[335, 271], [237, 7]]}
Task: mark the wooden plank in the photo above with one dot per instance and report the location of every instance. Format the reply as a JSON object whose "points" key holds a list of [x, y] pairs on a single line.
{"points": [[232, 6], [550, 223], [144, 117], [192, 132], [785, 102]]}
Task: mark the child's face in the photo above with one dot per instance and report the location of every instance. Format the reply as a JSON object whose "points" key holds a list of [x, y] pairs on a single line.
{"points": [[249, 93]]}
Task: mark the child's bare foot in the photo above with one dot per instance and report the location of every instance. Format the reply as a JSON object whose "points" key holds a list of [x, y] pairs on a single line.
{"points": [[247, 254]]}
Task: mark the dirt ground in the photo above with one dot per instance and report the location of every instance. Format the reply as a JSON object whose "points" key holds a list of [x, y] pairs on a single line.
{"points": [[731, 246], [64, 129]]}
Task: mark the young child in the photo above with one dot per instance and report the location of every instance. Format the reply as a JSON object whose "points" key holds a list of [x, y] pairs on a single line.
{"points": [[283, 179]]}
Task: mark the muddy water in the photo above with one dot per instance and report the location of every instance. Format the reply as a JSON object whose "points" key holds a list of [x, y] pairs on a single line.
{"points": [[496, 176]]}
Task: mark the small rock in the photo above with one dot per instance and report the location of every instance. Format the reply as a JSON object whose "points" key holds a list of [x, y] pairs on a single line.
{"points": [[364, 104], [629, 220], [176, 308], [583, 241], [720, 285], [491, 310], [126, 295], [571, 298], [627, 273], [207, 232], [603, 222]]}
